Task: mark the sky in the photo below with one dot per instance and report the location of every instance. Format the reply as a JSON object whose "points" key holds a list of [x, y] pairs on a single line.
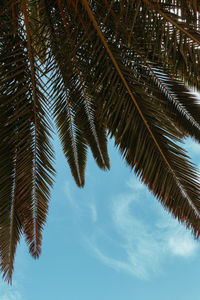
{"points": [[111, 240]]}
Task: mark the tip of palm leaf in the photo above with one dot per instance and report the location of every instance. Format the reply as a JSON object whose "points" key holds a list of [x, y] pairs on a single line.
{"points": [[79, 180], [8, 279], [80, 184], [103, 164], [104, 167], [35, 255], [35, 251], [7, 273], [107, 168]]}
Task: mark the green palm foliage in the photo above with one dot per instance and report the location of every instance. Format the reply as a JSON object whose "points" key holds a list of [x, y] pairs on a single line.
{"points": [[95, 67]]}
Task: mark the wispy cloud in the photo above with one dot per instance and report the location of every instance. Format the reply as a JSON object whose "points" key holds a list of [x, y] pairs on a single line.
{"points": [[68, 193], [182, 245], [112, 262], [93, 211], [11, 296], [81, 208], [193, 147], [9, 292], [136, 185], [146, 235]]}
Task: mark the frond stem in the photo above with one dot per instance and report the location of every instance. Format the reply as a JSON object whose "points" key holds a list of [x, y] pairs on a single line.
{"points": [[13, 203], [73, 143], [12, 4], [33, 81]]}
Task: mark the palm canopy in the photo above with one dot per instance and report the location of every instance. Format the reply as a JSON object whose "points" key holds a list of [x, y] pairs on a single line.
{"points": [[95, 67]]}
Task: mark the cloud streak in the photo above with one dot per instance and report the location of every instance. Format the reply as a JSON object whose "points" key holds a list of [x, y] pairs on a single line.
{"points": [[146, 235], [9, 292], [11, 296], [93, 211]]}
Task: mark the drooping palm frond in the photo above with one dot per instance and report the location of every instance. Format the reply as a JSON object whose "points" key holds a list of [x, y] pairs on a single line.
{"points": [[139, 125], [26, 151], [174, 38], [69, 92], [121, 67]]}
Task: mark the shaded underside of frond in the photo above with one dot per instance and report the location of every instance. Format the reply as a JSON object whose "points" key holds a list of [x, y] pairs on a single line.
{"points": [[135, 115], [73, 110], [95, 67]]}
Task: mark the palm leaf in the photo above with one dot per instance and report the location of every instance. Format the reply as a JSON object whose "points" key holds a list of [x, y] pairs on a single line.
{"points": [[96, 66], [75, 102], [42, 152], [14, 130], [20, 199], [163, 154]]}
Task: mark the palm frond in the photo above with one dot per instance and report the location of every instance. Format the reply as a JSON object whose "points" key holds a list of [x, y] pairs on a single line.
{"points": [[42, 151], [166, 32], [23, 205], [121, 67], [14, 131], [76, 101], [130, 116]]}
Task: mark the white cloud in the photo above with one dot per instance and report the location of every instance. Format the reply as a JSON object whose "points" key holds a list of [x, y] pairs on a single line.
{"points": [[193, 147], [136, 185], [81, 208], [182, 245], [11, 296], [8, 292], [93, 211], [113, 263], [68, 193], [145, 236]]}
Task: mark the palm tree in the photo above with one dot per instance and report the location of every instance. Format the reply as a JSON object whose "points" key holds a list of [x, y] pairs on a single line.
{"points": [[97, 68]]}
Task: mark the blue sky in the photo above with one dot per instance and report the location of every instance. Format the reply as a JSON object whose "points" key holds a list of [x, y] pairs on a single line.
{"points": [[111, 240]]}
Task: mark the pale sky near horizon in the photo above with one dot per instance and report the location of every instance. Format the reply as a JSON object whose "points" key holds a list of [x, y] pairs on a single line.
{"points": [[111, 240]]}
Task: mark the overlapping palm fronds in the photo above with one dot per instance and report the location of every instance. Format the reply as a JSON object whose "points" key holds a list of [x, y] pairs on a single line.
{"points": [[122, 67]]}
